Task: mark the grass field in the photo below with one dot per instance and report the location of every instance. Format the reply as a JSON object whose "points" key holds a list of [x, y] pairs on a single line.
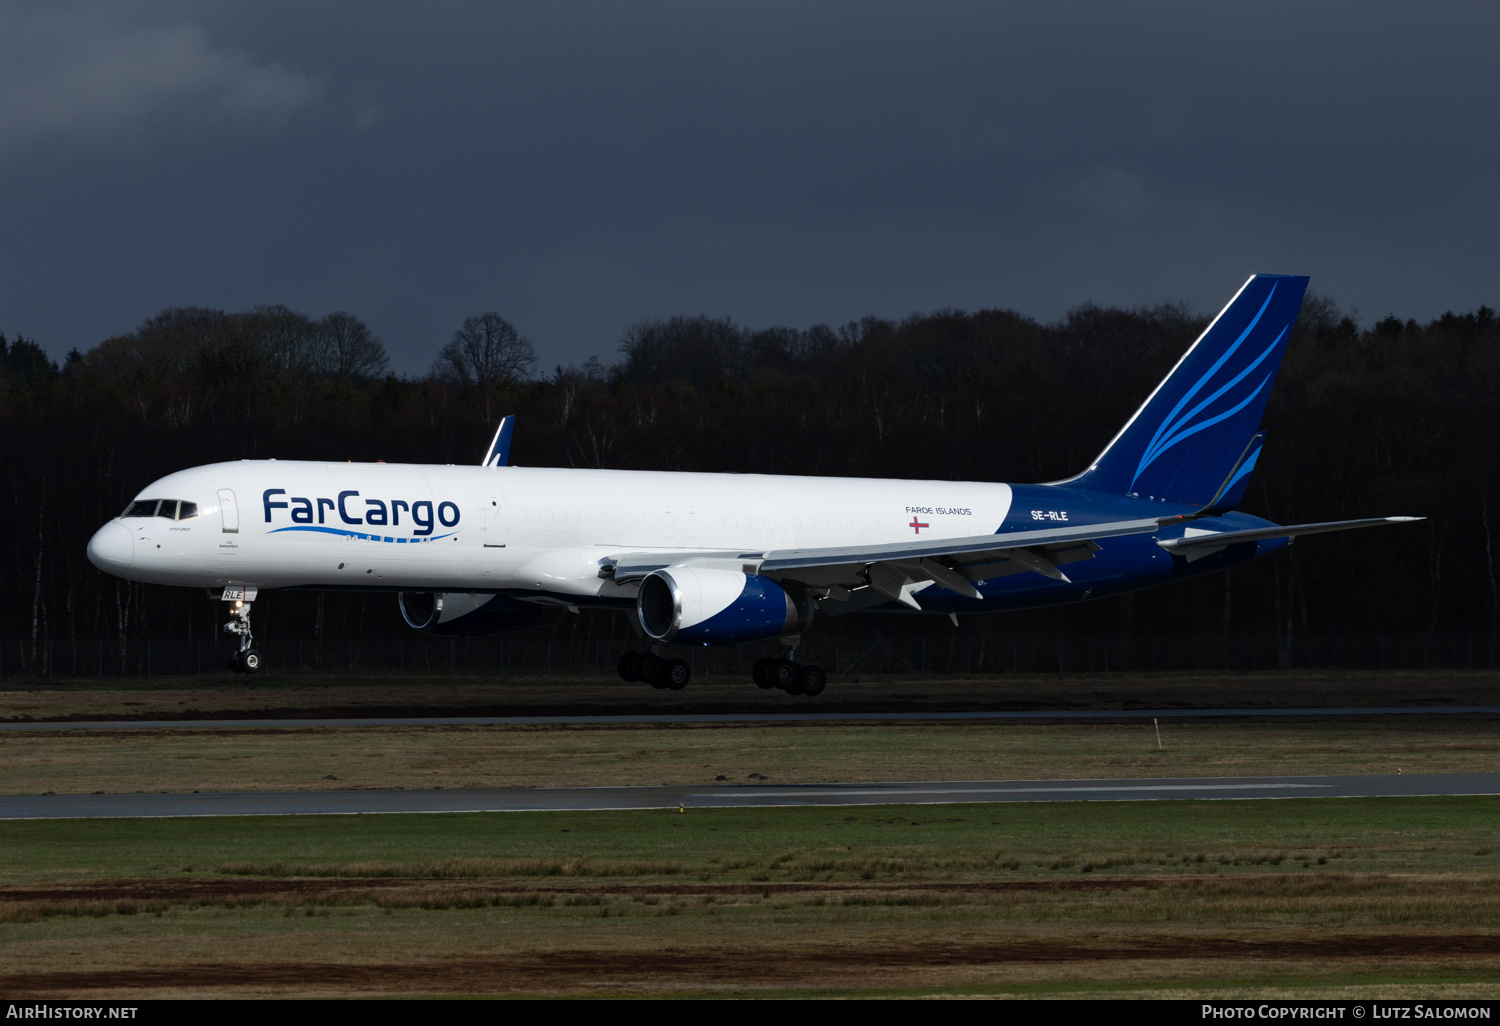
{"points": [[316, 758], [275, 695], [1326, 898], [1310, 897]]}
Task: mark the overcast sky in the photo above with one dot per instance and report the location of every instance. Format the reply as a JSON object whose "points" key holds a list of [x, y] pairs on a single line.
{"points": [[582, 166]]}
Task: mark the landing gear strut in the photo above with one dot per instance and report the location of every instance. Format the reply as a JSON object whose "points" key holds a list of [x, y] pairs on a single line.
{"points": [[247, 658], [651, 668]]}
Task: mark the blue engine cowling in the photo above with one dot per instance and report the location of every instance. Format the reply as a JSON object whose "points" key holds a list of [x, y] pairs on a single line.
{"points": [[466, 614], [718, 607]]}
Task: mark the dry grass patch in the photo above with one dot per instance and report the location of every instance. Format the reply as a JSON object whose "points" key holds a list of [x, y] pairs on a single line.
{"points": [[197, 759]]}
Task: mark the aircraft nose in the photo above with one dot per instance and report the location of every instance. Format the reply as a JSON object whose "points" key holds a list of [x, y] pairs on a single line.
{"points": [[112, 548]]}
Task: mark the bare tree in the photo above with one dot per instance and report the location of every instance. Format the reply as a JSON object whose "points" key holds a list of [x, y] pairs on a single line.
{"points": [[487, 350], [349, 348], [290, 341]]}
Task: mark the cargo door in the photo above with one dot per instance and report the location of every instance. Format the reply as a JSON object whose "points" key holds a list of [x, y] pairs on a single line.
{"points": [[494, 521]]}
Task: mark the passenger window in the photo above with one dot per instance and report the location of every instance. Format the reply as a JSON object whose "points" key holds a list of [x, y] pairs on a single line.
{"points": [[142, 508], [187, 510]]}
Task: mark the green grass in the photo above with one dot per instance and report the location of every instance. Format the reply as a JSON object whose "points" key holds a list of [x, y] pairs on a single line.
{"points": [[1295, 897], [273, 759], [277, 694], [1397, 835]]}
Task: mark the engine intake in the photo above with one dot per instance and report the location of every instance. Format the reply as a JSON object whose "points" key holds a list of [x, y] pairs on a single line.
{"points": [[718, 607]]}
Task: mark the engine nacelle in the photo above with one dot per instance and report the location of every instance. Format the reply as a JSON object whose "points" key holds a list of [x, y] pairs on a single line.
{"points": [[718, 607], [466, 614]]}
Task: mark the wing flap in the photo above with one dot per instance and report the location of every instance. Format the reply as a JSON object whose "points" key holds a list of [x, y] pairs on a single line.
{"points": [[969, 549], [899, 569]]}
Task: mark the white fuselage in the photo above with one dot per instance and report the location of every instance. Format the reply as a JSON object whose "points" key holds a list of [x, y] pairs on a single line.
{"points": [[281, 524]]}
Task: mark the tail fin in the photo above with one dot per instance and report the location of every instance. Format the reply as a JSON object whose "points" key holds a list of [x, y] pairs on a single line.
{"points": [[1191, 435], [499, 451]]}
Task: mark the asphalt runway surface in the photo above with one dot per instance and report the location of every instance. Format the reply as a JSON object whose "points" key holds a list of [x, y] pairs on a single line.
{"points": [[578, 799], [790, 717]]}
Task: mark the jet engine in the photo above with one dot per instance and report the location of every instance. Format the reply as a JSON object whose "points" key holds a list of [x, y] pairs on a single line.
{"points": [[466, 614], [718, 607]]}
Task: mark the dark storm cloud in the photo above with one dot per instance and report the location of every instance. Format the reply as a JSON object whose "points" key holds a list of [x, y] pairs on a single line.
{"points": [[582, 166]]}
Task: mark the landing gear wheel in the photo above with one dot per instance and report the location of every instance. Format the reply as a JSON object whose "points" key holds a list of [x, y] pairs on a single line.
{"points": [[784, 675], [651, 670], [234, 662], [811, 679], [676, 674], [760, 672], [630, 667], [251, 660]]}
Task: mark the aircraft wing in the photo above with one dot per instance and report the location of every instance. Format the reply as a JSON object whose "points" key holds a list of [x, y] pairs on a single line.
{"points": [[896, 570]]}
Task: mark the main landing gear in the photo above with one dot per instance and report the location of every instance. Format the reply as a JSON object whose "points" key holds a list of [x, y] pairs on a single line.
{"points": [[793, 678], [662, 674], [247, 659], [674, 674]]}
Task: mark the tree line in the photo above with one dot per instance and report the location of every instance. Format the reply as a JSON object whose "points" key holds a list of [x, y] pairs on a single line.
{"points": [[1396, 418]]}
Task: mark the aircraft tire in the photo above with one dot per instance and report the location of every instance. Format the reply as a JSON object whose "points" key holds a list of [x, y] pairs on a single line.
{"points": [[234, 662], [630, 667], [784, 675], [651, 669], [811, 679], [251, 660], [676, 673], [760, 672]]}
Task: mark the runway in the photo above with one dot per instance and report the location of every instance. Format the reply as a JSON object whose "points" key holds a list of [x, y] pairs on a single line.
{"points": [[791, 717], [578, 799]]}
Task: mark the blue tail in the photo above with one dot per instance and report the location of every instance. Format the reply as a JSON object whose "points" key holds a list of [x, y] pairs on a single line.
{"points": [[499, 454], [1186, 441]]}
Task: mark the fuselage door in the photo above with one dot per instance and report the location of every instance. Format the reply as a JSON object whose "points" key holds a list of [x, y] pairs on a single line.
{"points": [[494, 521], [230, 510]]}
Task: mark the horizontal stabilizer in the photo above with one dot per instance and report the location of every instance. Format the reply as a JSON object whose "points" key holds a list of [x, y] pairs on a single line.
{"points": [[1220, 539]]}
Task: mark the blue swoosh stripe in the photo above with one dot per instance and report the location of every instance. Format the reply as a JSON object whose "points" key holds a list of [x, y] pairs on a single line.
{"points": [[356, 534], [1183, 436], [1171, 422], [1200, 407], [1237, 378]]}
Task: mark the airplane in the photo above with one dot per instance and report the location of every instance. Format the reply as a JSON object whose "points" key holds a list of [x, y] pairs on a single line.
{"points": [[731, 559]]}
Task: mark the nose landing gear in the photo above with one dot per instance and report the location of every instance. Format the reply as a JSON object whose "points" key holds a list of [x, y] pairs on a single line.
{"points": [[247, 658]]}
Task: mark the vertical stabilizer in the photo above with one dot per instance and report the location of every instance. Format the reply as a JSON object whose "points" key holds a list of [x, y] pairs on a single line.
{"points": [[1196, 430], [499, 451]]}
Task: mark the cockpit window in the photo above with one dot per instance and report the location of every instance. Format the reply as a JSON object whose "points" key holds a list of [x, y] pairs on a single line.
{"points": [[169, 508]]}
